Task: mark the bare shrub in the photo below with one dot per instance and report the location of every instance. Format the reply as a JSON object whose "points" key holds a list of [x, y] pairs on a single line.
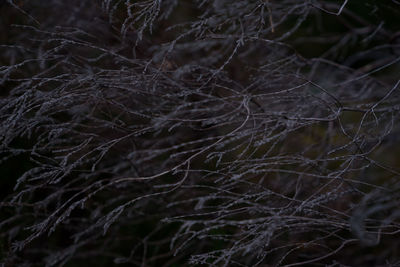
{"points": [[223, 133]]}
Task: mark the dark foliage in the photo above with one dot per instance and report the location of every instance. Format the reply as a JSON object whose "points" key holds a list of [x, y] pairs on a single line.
{"points": [[200, 132]]}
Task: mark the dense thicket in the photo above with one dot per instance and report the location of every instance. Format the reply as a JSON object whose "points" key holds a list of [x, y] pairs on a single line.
{"points": [[200, 132]]}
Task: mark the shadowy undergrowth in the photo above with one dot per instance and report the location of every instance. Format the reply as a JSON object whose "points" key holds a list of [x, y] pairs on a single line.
{"points": [[199, 132]]}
